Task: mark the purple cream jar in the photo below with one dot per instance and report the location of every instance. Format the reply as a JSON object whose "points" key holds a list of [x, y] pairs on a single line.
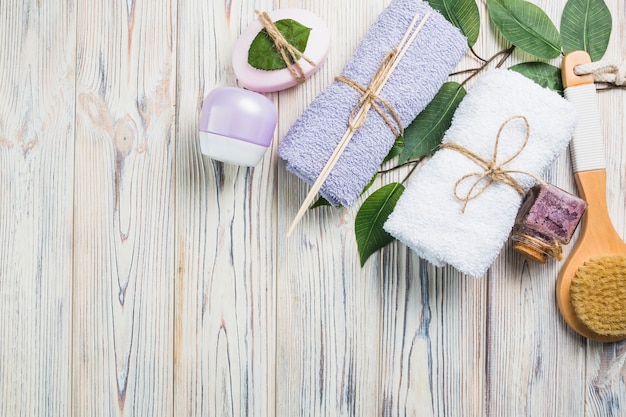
{"points": [[236, 125]]}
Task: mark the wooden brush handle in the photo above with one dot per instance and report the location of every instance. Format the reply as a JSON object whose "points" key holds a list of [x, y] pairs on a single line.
{"points": [[597, 225]]}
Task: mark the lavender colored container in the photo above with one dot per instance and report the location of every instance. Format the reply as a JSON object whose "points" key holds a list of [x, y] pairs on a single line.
{"points": [[275, 80], [236, 125], [546, 220]]}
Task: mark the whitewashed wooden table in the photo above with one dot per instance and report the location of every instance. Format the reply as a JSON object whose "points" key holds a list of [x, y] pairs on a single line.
{"points": [[138, 278]]}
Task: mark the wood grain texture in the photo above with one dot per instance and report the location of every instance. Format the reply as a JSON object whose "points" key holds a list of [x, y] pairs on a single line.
{"points": [[606, 363], [139, 278], [327, 304], [225, 238], [36, 179], [532, 353], [425, 312], [421, 374], [124, 210]]}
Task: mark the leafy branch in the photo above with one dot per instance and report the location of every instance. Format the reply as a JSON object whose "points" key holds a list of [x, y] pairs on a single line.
{"points": [[397, 167], [505, 54]]}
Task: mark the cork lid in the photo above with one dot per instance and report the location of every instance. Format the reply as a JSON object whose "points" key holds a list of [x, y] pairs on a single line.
{"points": [[530, 252]]}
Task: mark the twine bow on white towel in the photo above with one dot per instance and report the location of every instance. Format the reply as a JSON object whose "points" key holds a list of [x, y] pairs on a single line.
{"points": [[493, 171], [604, 71]]}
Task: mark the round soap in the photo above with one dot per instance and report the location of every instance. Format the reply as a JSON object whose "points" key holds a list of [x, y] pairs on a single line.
{"points": [[269, 81]]}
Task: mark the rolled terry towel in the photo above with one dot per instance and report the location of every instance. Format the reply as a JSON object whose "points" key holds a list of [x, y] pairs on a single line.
{"points": [[309, 143], [468, 234]]}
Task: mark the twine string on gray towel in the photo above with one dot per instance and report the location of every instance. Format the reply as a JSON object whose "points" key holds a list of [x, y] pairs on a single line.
{"points": [[369, 98], [604, 72], [290, 54], [493, 171]]}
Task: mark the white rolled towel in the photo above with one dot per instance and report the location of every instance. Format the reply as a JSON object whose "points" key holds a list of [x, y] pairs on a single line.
{"points": [[446, 228]]}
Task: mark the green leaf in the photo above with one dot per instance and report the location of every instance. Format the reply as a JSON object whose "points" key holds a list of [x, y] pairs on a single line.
{"points": [[321, 202], [263, 54], [586, 26], [526, 26], [372, 215], [545, 75], [424, 134], [396, 149], [369, 184], [461, 13]]}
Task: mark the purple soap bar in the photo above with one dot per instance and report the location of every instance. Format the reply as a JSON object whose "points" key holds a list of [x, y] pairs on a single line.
{"points": [[548, 211]]}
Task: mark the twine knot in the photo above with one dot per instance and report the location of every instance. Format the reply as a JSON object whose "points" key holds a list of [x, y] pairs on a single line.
{"points": [[290, 54], [493, 171], [604, 72], [370, 99]]}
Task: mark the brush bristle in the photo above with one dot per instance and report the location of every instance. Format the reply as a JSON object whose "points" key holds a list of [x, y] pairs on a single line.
{"points": [[598, 295]]}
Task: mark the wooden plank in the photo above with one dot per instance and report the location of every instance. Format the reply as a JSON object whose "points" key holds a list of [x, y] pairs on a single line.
{"points": [[606, 363], [225, 239], [433, 338], [537, 365], [434, 323], [328, 307], [36, 176], [188, 300], [124, 224]]}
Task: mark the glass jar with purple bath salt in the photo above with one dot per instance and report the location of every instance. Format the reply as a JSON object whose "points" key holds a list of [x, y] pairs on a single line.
{"points": [[546, 220]]}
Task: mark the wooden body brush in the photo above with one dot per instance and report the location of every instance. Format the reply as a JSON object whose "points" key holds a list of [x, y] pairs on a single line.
{"points": [[591, 288]]}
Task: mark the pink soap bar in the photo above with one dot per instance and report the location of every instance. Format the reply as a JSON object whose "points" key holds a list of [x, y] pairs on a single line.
{"points": [[276, 80]]}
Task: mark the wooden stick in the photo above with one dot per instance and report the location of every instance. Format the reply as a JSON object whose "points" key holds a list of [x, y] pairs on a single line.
{"points": [[406, 41]]}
